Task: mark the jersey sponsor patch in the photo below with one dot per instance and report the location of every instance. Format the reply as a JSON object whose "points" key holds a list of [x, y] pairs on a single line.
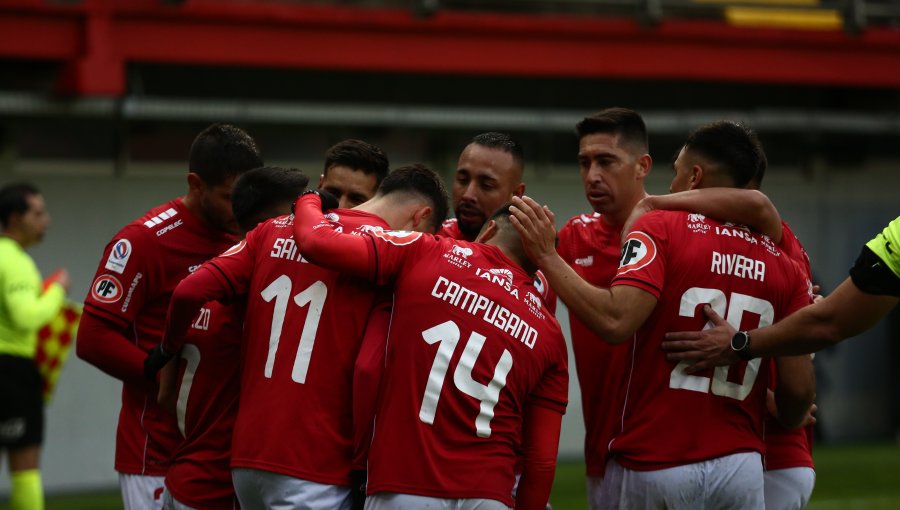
{"points": [[638, 250], [234, 249], [118, 256], [106, 289], [397, 237]]}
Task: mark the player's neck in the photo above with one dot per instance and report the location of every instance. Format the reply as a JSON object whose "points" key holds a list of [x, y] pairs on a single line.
{"points": [[15, 236], [618, 217]]}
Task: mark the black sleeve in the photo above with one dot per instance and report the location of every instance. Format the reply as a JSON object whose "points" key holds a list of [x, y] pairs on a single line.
{"points": [[873, 276]]}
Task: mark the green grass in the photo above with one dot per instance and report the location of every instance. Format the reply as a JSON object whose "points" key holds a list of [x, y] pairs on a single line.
{"points": [[852, 477]]}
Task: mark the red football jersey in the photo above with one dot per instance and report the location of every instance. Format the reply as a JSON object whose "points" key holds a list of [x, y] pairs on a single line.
{"points": [[140, 267], [592, 247], [302, 331], [470, 346], [450, 228], [788, 448], [686, 260], [200, 473]]}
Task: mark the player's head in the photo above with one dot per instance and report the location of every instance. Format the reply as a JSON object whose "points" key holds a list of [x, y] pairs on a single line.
{"points": [[614, 160], [422, 191], [353, 171], [722, 154], [219, 154], [264, 193], [23, 214], [488, 174], [499, 231]]}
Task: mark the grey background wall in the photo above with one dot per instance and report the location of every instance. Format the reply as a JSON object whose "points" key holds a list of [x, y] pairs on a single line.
{"points": [[833, 210]]}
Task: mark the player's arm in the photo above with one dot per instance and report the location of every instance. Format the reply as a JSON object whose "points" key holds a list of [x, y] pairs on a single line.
{"points": [[27, 307], [795, 389], [367, 374], [200, 287], [846, 312], [321, 244], [104, 343], [168, 386], [540, 445], [747, 207], [613, 314]]}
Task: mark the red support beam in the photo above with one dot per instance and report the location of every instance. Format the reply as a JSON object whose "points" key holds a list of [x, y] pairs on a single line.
{"points": [[96, 38]]}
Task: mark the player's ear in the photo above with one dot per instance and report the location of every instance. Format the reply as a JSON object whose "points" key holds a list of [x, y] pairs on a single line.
{"points": [[696, 177], [196, 186], [519, 190], [321, 180], [420, 221], [488, 231], [645, 163]]}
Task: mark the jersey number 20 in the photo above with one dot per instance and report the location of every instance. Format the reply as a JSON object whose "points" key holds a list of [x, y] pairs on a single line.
{"points": [[736, 306]]}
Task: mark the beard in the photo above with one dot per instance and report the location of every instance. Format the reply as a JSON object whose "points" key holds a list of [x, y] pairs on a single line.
{"points": [[469, 228]]}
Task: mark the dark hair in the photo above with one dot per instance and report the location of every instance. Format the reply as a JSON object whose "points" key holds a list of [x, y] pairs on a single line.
{"points": [[624, 122], [421, 180], [732, 146], [222, 151], [14, 199], [359, 155], [503, 142], [259, 192]]}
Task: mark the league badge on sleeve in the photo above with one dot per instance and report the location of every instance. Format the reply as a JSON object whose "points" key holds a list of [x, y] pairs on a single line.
{"points": [[638, 250], [106, 289], [234, 249], [118, 256]]}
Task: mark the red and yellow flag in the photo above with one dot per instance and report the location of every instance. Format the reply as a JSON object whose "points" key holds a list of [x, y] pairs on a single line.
{"points": [[54, 341]]}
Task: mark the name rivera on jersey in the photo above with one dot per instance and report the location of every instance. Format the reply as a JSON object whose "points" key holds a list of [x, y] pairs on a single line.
{"points": [[495, 314], [738, 265]]}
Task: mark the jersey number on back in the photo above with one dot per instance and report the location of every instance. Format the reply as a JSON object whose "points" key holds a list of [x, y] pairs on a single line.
{"points": [[739, 303], [314, 296], [448, 335]]}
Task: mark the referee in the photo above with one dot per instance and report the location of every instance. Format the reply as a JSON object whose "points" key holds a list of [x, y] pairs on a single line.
{"points": [[25, 305]]}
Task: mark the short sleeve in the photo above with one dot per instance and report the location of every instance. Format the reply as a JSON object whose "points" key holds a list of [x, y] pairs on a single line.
{"points": [[643, 261], [886, 245]]}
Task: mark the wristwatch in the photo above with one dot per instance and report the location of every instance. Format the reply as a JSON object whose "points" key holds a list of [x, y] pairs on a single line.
{"points": [[740, 344]]}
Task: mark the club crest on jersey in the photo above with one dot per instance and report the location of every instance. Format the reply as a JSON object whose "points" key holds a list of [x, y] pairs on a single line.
{"points": [[118, 256], [637, 251], [106, 289], [397, 237], [697, 223], [457, 256], [234, 249], [534, 304], [502, 277]]}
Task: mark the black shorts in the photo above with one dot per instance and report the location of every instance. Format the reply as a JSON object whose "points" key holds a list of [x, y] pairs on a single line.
{"points": [[21, 403]]}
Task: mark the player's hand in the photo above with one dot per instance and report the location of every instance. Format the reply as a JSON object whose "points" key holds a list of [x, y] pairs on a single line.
{"points": [[155, 360], [707, 348], [60, 276], [358, 478], [535, 225]]}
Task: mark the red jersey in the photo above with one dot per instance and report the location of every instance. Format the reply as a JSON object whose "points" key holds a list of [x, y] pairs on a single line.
{"points": [[592, 248], [200, 474], [450, 228], [302, 331], [470, 347], [140, 267], [686, 260], [788, 448]]}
